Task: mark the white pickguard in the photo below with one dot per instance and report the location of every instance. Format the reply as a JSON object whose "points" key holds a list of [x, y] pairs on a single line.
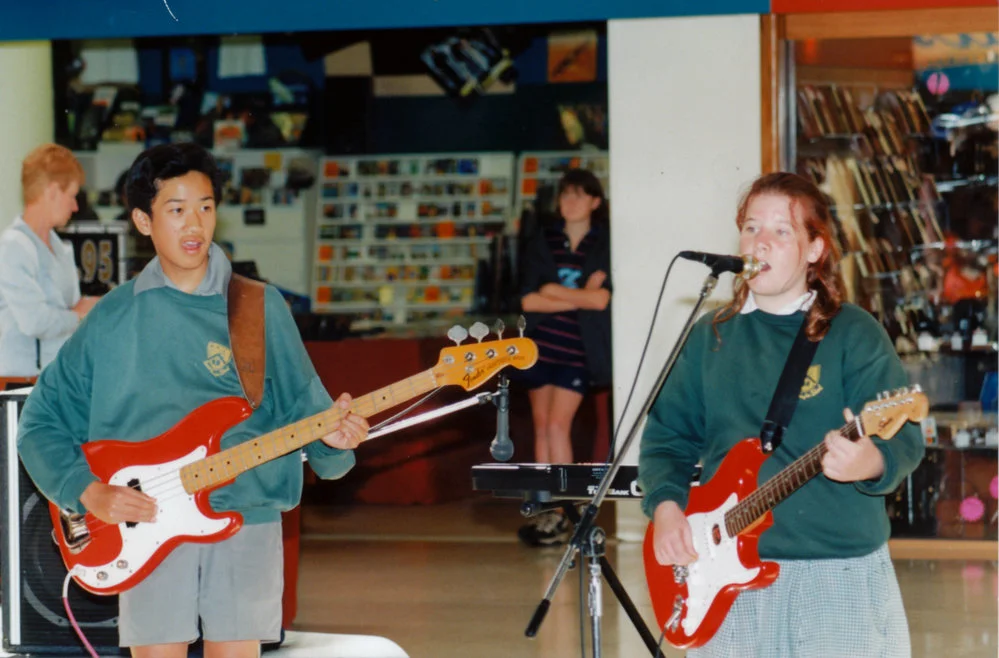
{"points": [[177, 515], [717, 565]]}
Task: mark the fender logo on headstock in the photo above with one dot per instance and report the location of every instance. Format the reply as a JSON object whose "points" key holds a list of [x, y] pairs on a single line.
{"points": [[472, 365], [473, 377]]}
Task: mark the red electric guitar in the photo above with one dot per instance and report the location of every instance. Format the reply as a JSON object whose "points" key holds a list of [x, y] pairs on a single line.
{"points": [[728, 514], [182, 466]]}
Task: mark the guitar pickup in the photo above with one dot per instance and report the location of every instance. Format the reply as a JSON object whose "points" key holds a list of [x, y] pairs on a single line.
{"points": [[134, 484], [75, 531]]}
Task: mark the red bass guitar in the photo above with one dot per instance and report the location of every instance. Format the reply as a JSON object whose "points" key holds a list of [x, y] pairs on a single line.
{"points": [[182, 466], [728, 514]]}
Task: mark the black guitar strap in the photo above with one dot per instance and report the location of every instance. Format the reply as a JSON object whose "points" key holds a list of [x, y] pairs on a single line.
{"points": [[788, 388]]}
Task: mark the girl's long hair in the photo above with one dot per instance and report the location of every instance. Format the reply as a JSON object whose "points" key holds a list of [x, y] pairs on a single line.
{"points": [[809, 206]]}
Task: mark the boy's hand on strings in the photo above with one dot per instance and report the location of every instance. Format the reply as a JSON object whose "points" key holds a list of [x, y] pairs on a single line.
{"points": [[350, 431], [115, 504]]}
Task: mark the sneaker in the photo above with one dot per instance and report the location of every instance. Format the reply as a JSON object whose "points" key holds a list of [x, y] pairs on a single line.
{"points": [[550, 529]]}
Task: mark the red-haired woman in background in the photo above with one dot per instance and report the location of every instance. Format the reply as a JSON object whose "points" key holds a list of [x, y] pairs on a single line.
{"points": [[40, 302]]}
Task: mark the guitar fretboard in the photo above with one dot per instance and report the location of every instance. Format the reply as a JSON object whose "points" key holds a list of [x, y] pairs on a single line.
{"points": [[227, 464], [790, 479]]}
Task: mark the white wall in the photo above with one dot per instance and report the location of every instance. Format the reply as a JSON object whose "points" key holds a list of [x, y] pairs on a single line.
{"points": [[684, 110], [26, 115]]}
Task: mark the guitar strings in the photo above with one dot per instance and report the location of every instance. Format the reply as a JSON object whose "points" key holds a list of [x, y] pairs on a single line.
{"points": [[363, 406], [150, 485], [745, 513], [168, 485]]}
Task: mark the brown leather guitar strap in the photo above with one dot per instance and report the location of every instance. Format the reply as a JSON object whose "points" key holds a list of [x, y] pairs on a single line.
{"points": [[247, 335]]}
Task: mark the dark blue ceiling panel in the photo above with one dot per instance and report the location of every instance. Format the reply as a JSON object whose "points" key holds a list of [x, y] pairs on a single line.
{"points": [[77, 19]]}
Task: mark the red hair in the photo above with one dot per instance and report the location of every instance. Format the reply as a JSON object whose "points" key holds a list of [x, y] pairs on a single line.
{"points": [[809, 207], [47, 164]]}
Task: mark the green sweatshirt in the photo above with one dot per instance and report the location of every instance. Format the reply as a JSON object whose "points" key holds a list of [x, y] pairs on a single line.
{"points": [[147, 356], [718, 395]]}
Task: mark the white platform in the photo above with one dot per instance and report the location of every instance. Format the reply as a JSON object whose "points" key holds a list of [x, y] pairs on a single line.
{"points": [[311, 645], [329, 645]]}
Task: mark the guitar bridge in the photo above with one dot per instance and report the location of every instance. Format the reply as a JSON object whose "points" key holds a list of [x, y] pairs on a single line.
{"points": [[680, 574], [74, 530]]}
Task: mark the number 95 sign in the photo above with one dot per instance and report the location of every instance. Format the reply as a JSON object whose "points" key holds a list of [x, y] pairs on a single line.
{"points": [[98, 257]]}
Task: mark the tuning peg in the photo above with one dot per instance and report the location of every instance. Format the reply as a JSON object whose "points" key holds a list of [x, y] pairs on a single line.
{"points": [[521, 325], [498, 328], [457, 333], [479, 330]]}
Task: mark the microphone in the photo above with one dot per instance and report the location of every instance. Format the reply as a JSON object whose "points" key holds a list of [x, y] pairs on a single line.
{"points": [[502, 447], [745, 266]]}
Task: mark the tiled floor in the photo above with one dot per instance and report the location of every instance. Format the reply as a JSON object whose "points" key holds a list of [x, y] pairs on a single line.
{"points": [[451, 581]]}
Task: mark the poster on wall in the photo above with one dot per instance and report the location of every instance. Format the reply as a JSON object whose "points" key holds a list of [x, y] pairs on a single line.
{"points": [[468, 62], [572, 56], [584, 125]]}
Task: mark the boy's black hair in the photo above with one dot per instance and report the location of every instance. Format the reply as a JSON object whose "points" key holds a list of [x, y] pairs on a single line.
{"points": [[163, 162], [586, 181]]}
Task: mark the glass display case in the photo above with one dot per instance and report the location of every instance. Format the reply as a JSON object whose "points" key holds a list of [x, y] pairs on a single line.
{"points": [[897, 123]]}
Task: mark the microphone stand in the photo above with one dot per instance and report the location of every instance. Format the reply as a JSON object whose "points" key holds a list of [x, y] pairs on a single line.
{"points": [[589, 539]]}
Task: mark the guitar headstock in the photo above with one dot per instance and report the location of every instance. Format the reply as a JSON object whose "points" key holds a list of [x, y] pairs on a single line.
{"points": [[886, 416], [473, 364]]}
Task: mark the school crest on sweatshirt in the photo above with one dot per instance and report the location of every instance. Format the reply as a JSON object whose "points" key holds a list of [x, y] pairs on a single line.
{"points": [[219, 358], [811, 387]]}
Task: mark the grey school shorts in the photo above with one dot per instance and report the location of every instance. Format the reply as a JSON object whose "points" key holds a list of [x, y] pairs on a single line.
{"points": [[234, 586]]}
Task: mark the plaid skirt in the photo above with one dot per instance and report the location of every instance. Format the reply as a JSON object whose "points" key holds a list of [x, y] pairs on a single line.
{"points": [[832, 608]]}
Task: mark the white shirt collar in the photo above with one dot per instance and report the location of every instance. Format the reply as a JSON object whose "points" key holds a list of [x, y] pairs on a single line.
{"points": [[802, 303]]}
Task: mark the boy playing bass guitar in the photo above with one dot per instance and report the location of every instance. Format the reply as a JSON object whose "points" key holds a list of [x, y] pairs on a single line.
{"points": [[151, 351]]}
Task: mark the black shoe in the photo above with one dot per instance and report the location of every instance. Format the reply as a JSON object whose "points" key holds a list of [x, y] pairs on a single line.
{"points": [[549, 529]]}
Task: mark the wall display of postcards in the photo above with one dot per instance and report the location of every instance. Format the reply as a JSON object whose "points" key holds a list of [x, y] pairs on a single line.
{"points": [[399, 237], [538, 173], [265, 214]]}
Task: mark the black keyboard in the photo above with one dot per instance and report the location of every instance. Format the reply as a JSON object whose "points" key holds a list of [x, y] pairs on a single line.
{"points": [[545, 482]]}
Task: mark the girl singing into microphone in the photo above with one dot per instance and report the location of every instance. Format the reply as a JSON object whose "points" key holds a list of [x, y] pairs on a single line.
{"points": [[837, 594]]}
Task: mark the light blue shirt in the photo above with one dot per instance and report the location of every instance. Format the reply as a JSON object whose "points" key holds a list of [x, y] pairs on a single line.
{"points": [[38, 289], [216, 281]]}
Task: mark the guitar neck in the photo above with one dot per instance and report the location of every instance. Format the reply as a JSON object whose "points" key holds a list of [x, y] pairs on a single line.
{"points": [[776, 489], [226, 465]]}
